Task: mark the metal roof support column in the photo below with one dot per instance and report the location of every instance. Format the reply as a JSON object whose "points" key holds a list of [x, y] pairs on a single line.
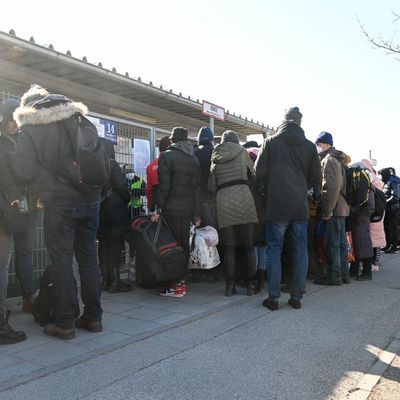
{"points": [[152, 143]]}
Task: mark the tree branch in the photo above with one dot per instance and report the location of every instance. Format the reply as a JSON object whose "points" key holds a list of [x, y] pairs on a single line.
{"points": [[380, 43]]}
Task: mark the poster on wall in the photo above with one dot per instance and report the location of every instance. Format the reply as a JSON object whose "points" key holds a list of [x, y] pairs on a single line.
{"points": [[141, 155], [105, 128]]}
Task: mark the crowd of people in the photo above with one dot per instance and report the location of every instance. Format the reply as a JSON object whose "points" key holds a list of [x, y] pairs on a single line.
{"points": [[279, 208]]}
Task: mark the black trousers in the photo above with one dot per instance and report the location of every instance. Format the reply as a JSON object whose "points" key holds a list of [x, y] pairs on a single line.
{"points": [[239, 235], [180, 228], [391, 224], [367, 265], [110, 257]]}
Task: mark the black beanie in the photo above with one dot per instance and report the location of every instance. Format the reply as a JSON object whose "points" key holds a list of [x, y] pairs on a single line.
{"points": [[178, 134], [293, 114]]}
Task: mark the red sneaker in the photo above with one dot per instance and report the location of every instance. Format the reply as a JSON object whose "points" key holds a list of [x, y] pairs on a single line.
{"points": [[175, 290]]}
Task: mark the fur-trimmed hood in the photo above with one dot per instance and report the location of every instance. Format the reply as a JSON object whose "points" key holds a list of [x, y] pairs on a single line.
{"points": [[50, 109]]}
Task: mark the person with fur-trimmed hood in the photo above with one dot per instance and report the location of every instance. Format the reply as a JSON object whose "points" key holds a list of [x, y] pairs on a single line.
{"points": [[71, 217]]}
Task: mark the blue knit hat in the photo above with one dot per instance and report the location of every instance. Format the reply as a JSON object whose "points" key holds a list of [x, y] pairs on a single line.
{"points": [[205, 133], [324, 137]]}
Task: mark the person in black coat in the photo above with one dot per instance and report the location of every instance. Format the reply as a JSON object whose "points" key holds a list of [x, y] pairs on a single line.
{"points": [[9, 194], [113, 224], [177, 196], [24, 236]]}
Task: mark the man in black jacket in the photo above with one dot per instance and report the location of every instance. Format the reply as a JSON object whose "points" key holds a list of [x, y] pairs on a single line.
{"points": [[24, 237], [287, 167], [71, 216], [177, 196]]}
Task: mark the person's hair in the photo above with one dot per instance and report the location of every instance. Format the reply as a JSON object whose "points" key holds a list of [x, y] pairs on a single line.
{"points": [[164, 143]]}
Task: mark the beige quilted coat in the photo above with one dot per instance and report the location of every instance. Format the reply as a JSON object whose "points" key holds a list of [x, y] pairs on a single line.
{"points": [[235, 204]]}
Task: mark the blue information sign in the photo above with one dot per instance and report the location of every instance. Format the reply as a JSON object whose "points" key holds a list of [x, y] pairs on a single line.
{"points": [[110, 130]]}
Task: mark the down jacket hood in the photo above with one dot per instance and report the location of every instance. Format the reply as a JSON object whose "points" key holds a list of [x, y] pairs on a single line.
{"points": [[50, 109], [291, 133], [185, 146], [226, 152]]}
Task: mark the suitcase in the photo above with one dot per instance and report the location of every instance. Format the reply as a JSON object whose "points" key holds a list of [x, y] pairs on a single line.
{"points": [[159, 258]]}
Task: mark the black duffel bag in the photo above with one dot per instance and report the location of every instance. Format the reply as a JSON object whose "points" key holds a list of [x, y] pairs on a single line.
{"points": [[159, 258]]}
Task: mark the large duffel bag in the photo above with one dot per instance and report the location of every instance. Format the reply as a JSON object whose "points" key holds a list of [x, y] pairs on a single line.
{"points": [[159, 258]]}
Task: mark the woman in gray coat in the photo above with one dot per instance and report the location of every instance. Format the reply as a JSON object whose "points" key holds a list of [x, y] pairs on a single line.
{"points": [[231, 169]]}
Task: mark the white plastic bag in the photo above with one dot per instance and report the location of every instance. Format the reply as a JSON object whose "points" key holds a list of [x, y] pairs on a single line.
{"points": [[203, 256], [209, 234]]}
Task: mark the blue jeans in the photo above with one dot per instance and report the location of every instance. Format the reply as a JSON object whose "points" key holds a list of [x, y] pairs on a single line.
{"points": [[336, 248], [70, 230], [260, 253], [275, 235]]}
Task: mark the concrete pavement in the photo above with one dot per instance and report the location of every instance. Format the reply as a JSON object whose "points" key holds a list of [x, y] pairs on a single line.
{"points": [[208, 346]]}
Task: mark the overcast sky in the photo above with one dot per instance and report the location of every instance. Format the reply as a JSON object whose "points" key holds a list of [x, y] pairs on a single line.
{"points": [[253, 57]]}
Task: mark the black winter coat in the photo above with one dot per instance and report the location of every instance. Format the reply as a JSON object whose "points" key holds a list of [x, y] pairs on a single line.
{"points": [[43, 139], [287, 167], [13, 189], [179, 181], [203, 152], [114, 216]]}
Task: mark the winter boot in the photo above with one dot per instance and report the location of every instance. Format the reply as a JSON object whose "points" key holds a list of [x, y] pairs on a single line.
{"points": [[230, 288], [7, 334], [260, 280]]}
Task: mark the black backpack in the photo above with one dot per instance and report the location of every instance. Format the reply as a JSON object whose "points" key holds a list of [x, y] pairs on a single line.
{"points": [[358, 185], [380, 205], [43, 305], [88, 167]]}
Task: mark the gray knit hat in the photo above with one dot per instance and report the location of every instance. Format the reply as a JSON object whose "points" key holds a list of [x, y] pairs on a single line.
{"points": [[230, 136], [293, 114]]}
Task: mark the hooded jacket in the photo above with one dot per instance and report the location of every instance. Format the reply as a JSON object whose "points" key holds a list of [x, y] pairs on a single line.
{"points": [[286, 168], [42, 140], [231, 168], [333, 202], [179, 181]]}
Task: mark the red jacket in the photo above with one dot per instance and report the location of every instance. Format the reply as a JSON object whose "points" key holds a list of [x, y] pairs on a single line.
{"points": [[152, 181]]}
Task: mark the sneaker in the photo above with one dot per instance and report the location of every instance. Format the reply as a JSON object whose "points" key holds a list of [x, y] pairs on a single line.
{"points": [[294, 302], [61, 333], [176, 290], [184, 287], [270, 304], [91, 326], [375, 268]]}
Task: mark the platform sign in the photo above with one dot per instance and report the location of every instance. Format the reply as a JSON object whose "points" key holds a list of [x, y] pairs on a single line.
{"points": [[374, 162], [213, 111], [105, 128]]}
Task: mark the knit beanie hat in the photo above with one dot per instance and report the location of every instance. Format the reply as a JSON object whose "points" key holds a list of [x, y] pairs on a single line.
{"points": [[7, 108], [230, 136], [293, 114], [179, 134], [164, 143], [205, 134], [324, 137]]}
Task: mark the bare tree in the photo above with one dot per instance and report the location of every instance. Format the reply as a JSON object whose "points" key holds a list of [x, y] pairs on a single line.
{"points": [[389, 46]]}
